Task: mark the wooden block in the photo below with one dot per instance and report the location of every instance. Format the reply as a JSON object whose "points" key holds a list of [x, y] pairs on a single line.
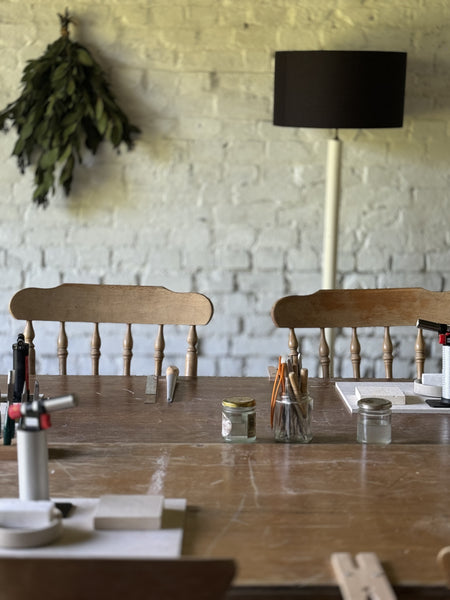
{"points": [[389, 392], [129, 512], [443, 559], [361, 579]]}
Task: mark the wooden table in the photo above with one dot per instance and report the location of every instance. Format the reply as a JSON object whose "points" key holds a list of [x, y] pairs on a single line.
{"points": [[278, 510]]}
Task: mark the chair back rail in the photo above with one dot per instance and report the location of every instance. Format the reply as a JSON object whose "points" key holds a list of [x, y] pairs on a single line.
{"points": [[115, 579], [127, 304], [386, 308]]}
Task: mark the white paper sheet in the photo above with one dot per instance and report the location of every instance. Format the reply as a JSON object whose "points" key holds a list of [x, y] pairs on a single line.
{"points": [[414, 402], [80, 539]]}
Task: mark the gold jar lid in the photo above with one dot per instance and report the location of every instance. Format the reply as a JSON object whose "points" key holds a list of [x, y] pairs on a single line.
{"points": [[374, 404], [239, 402]]}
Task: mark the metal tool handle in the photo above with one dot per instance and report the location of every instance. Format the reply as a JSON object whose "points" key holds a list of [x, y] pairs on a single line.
{"points": [[432, 326], [445, 374], [32, 461]]}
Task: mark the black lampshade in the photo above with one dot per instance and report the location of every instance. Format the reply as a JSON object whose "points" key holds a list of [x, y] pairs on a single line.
{"points": [[339, 89]]}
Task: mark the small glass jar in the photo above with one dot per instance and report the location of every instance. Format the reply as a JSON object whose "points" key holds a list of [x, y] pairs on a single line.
{"points": [[374, 421], [239, 419], [292, 419]]}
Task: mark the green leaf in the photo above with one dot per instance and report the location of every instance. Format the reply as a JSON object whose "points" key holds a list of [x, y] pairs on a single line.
{"points": [[41, 190], [49, 158], [103, 123], [66, 153], [65, 178], [41, 131], [27, 129], [99, 107], [50, 104], [67, 169], [93, 137], [60, 71], [70, 118], [71, 87], [44, 180], [116, 133], [68, 131], [19, 146], [84, 57]]}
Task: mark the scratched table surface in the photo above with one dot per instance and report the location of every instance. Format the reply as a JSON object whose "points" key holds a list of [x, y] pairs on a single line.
{"points": [[279, 510]]}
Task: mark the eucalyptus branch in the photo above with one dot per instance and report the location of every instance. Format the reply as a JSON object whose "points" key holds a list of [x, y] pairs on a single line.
{"points": [[66, 105]]}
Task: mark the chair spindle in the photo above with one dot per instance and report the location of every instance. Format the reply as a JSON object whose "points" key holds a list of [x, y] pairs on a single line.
{"points": [[127, 350], [62, 349], [324, 354], [387, 353], [96, 343], [160, 344], [355, 352], [191, 354], [420, 354], [28, 333]]}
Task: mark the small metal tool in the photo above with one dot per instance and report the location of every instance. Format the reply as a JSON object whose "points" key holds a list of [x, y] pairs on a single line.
{"points": [[171, 381], [151, 387]]}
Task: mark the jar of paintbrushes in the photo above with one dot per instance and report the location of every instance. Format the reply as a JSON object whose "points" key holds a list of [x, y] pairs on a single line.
{"points": [[291, 405]]}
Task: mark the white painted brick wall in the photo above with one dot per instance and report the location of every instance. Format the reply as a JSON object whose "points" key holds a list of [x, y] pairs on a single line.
{"points": [[215, 198]]}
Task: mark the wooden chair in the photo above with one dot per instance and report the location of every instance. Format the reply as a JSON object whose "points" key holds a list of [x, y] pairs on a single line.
{"points": [[443, 560], [126, 304], [115, 579], [361, 308]]}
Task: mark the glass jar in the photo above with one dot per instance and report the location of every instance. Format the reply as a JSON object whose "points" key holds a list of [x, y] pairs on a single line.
{"points": [[292, 419], [239, 419], [374, 421]]}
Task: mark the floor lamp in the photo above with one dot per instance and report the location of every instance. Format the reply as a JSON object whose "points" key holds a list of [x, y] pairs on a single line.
{"points": [[338, 89]]}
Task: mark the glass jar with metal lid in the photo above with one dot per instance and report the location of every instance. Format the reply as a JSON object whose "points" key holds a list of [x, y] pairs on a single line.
{"points": [[374, 421], [239, 419]]}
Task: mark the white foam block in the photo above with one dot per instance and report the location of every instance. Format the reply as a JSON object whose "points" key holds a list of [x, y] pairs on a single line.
{"points": [[26, 513], [129, 512], [392, 393], [432, 378]]}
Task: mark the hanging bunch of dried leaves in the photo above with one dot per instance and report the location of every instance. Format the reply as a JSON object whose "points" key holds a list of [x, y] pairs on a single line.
{"points": [[66, 104]]}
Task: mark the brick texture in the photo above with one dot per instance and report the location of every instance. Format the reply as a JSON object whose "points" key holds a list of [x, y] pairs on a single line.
{"points": [[215, 198]]}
